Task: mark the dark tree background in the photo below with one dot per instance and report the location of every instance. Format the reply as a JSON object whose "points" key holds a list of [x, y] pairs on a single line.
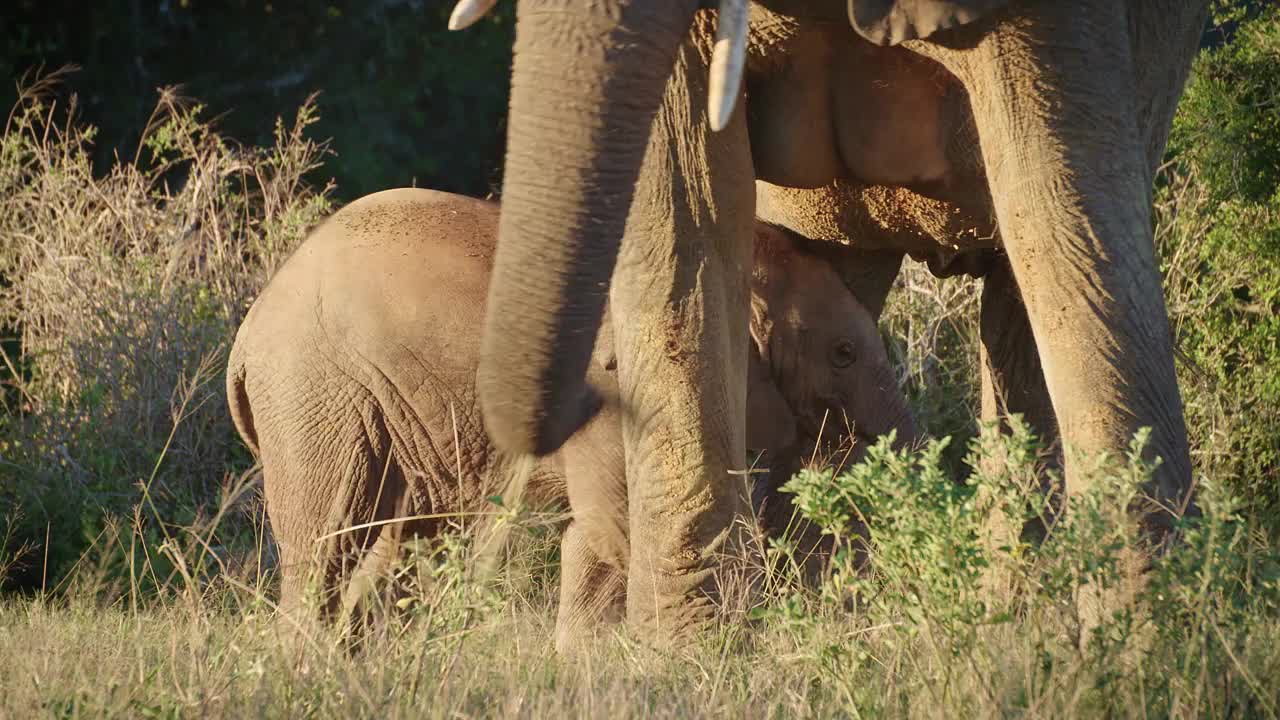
{"points": [[404, 100]]}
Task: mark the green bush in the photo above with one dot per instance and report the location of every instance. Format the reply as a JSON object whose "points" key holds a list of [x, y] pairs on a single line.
{"points": [[1218, 234], [930, 326], [957, 617], [1228, 123]]}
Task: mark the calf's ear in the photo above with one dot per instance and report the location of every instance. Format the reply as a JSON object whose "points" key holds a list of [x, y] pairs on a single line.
{"points": [[770, 423]]}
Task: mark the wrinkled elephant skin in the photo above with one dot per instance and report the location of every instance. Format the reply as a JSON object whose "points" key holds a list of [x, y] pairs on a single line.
{"points": [[931, 127], [353, 380]]}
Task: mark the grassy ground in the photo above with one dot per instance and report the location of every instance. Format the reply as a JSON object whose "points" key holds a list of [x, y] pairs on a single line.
{"points": [[139, 570], [926, 634], [171, 662]]}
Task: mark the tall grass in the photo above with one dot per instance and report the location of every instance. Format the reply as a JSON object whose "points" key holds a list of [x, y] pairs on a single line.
{"points": [[122, 292], [921, 634]]}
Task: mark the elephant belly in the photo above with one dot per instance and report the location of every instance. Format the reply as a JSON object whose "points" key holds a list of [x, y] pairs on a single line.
{"points": [[888, 114], [876, 217], [867, 146], [793, 142], [835, 106]]}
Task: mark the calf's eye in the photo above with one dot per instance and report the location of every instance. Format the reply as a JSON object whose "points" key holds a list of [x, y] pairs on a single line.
{"points": [[843, 354]]}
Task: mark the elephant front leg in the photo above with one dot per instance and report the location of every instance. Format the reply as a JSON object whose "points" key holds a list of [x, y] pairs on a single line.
{"points": [[1053, 97], [683, 378], [680, 307]]}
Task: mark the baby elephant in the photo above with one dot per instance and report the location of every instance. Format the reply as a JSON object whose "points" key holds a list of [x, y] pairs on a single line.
{"points": [[352, 379]]}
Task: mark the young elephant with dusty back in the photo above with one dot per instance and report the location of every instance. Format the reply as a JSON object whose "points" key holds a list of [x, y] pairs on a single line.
{"points": [[353, 380]]}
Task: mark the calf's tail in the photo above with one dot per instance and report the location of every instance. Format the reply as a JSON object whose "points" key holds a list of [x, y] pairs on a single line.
{"points": [[238, 399]]}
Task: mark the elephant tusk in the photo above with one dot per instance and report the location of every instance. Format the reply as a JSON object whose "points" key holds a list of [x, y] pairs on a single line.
{"points": [[727, 60], [467, 12]]}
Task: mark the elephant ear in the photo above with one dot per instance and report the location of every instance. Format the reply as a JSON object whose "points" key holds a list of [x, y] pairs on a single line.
{"points": [[770, 424], [889, 22]]}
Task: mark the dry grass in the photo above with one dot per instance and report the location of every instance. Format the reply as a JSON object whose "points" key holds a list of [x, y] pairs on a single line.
{"points": [[124, 289]]}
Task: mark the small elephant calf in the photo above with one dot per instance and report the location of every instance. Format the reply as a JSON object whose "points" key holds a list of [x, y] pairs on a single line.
{"points": [[352, 379]]}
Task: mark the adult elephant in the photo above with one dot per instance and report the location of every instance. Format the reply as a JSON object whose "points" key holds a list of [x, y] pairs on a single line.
{"points": [[928, 126]]}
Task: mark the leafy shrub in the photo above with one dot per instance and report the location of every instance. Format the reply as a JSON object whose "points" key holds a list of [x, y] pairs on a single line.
{"points": [[940, 598], [125, 290], [930, 326], [1218, 234], [1228, 123]]}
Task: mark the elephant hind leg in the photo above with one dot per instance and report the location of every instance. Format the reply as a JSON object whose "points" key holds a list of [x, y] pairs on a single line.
{"points": [[1012, 378], [320, 502], [370, 590], [294, 581], [307, 581], [322, 589], [1013, 384], [592, 591], [308, 569], [365, 589]]}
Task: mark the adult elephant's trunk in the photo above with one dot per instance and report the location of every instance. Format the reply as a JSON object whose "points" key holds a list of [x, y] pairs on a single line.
{"points": [[586, 83]]}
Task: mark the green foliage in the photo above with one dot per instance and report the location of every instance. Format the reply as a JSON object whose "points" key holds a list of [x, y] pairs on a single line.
{"points": [[932, 557], [1228, 125], [935, 571], [1211, 588], [1218, 233], [930, 327]]}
